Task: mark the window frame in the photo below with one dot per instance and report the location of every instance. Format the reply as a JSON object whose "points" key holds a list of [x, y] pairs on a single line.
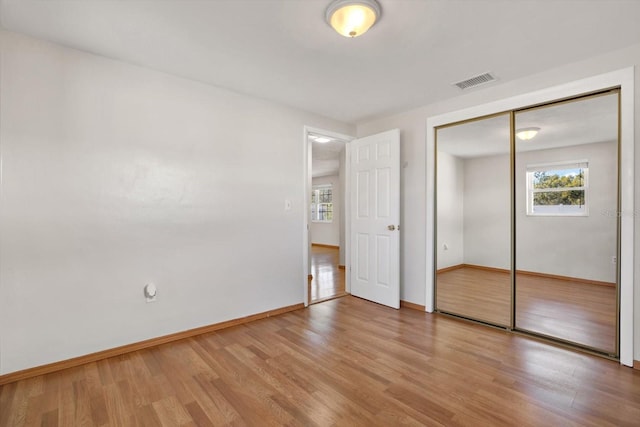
{"points": [[555, 166], [315, 195]]}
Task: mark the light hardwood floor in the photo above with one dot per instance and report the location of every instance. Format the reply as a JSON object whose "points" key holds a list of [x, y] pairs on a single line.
{"points": [[328, 280], [474, 293], [345, 362], [575, 311]]}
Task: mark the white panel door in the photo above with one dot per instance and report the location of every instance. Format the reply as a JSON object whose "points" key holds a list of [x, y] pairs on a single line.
{"points": [[375, 216]]}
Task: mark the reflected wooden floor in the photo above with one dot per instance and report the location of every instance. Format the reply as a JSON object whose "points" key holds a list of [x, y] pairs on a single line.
{"points": [[345, 362], [571, 310], [328, 279], [575, 311], [475, 293]]}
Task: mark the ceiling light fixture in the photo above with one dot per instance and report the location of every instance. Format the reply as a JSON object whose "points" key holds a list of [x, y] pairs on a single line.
{"points": [[322, 139], [526, 134], [352, 18]]}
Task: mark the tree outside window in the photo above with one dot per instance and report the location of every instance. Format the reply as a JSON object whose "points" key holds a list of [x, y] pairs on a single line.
{"points": [[558, 189]]}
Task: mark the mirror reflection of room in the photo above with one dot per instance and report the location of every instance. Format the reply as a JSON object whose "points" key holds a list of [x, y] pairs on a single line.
{"points": [[566, 178], [556, 210], [473, 202]]}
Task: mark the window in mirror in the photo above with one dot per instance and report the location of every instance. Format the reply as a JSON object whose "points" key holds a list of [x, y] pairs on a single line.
{"points": [[558, 189]]}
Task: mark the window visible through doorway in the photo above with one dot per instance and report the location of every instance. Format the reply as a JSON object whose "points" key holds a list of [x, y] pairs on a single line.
{"points": [[322, 203], [558, 189]]}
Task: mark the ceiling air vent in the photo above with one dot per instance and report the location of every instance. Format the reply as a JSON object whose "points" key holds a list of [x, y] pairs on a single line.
{"points": [[475, 81]]}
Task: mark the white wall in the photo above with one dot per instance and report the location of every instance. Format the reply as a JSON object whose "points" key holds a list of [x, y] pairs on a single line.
{"points": [[413, 137], [487, 211], [572, 246], [328, 233], [450, 210], [579, 247], [114, 176]]}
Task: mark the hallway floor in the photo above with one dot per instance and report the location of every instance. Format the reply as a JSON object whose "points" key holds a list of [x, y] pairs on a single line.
{"points": [[328, 279]]}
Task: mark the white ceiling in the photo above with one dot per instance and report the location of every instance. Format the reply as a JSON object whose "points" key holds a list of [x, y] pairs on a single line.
{"points": [[326, 157], [284, 51], [585, 121]]}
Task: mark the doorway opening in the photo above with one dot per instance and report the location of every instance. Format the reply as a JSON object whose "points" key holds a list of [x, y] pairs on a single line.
{"points": [[326, 215], [327, 278]]}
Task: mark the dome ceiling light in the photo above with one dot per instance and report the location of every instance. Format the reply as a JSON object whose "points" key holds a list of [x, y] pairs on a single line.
{"points": [[526, 134], [352, 18]]}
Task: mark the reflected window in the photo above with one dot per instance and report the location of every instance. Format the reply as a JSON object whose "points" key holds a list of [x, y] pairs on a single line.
{"points": [[558, 189]]}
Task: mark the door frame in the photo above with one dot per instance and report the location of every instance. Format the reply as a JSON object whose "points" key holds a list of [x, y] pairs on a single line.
{"points": [[307, 153], [624, 79]]}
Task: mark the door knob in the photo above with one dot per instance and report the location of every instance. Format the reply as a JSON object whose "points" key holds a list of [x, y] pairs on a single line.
{"points": [[391, 227]]}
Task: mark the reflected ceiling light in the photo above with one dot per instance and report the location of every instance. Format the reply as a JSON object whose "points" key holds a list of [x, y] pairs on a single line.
{"points": [[319, 138], [352, 18], [526, 134]]}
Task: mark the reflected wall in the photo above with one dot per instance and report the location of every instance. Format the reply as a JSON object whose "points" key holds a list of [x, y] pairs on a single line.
{"points": [[473, 254], [566, 228]]}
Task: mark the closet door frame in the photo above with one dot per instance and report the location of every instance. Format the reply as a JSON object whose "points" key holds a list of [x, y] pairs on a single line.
{"points": [[623, 79], [614, 352]]}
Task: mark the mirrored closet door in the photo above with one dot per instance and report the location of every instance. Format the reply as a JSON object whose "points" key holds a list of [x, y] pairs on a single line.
{"points": [[473, 220], [527, 230], [566, 226]]}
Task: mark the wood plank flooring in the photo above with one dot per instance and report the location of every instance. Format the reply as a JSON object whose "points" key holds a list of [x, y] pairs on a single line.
{"points": [[575, 311], [475, 293], [345, 362], [571, 310], [328, 279]]}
